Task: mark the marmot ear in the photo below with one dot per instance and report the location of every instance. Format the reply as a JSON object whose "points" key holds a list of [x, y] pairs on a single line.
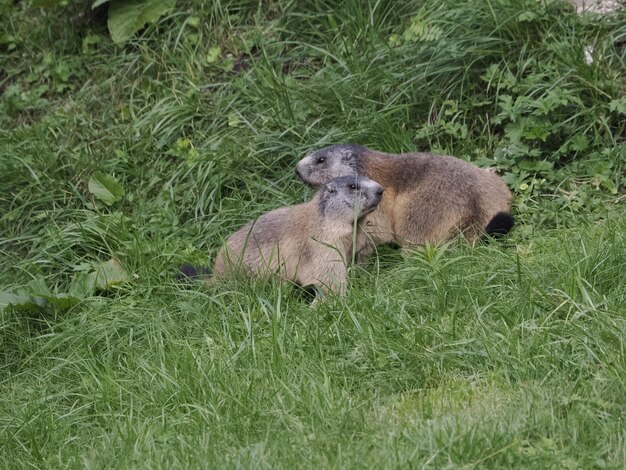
{"points": [[331, 189], [348, 157]]}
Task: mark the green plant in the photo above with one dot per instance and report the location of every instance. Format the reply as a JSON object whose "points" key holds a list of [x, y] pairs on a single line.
{"points": [[509, 354], [125, 17], [38, 296]]}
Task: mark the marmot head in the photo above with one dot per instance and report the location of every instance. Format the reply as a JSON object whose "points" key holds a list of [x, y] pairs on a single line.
{"points": [[330, 162], [348, 197]]}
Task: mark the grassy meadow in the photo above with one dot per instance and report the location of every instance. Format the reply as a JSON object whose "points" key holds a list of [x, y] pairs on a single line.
{"points": [[510, 354]]}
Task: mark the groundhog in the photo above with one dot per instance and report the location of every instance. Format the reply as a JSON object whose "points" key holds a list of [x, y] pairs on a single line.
{"points": [[309, 244], [428, 198]]}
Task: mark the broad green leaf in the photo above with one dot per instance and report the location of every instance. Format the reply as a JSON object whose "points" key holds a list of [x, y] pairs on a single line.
{"points": [[610, 185], [194, 21], [89, 42], [579, 143], [38, 289], [233, 120], [491, 73], [213, 54], [104, 275], [536, 131], [126, 17], [618, 105], [63, 301], [599, 167], [83, 285], [109, 273], [106, 188], [20, 302], [515, 131]]}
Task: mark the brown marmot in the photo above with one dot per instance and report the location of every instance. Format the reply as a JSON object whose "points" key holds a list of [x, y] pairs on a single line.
{"points": [[428, 198], [310, 243]]}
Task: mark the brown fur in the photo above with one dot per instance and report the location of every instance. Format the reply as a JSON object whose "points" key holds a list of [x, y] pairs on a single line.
{"points": [[428, 198], [309, 244]]}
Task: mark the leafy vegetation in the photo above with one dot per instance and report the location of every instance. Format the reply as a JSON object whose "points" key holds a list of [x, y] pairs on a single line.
{"points": [[121, 162], [125, 17]]}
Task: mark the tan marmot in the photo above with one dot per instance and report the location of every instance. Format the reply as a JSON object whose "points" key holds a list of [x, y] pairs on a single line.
{"points": [[310, 243], [428, 198]]}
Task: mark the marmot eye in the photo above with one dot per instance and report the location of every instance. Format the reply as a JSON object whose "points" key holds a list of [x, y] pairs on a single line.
{"points": [[352, 186], [321, 159]]}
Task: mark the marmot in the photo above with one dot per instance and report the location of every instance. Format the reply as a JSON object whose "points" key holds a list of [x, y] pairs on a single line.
{"points": [[310, 243], [428, 198]]}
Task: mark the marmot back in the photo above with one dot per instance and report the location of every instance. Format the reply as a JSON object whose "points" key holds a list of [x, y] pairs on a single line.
{"points": [[428, 198]]}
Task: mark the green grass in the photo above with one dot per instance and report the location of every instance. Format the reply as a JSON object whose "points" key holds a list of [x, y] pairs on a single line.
{"points": [[507, 355]]}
